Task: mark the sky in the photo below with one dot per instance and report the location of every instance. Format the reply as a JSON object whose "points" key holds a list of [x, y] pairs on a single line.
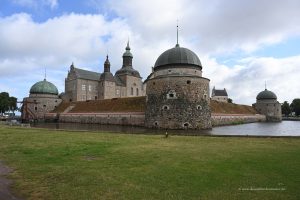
{"points": [[241, 44]]}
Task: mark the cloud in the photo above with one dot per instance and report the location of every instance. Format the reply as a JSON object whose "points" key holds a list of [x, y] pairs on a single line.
{"points": [[36, 4], [209, 29], [215, 27], [246, 80]]}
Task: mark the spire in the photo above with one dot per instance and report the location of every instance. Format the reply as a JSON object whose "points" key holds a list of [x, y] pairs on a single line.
{"points": [[45, 74], [265, 85], [177, 45], [106, 65], [72, 66], [127, 47]]}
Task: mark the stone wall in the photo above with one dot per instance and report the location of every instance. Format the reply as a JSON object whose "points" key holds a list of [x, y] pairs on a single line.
{"points": [[138, 118], [220, 98], [178, 102], [132, 119], [37, 105], [269, 107], [221, 120]]}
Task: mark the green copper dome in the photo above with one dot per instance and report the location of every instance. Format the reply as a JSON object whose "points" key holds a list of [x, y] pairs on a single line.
{"points": [[44, 87], [266, 94], [178, 55]]}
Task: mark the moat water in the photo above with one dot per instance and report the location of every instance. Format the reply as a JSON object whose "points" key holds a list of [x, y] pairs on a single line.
{"points": [[284, 128]]}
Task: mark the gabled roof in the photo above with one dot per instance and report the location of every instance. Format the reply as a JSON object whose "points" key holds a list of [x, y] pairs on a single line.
{"points": [[219, 92], [85, 74]]}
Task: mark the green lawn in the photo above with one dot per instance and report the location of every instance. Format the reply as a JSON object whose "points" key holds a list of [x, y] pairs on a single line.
{"points": [[87, 165]]}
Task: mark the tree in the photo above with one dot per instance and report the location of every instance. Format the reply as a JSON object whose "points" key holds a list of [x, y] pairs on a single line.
{"points": [[229, 100], [7, 103], [12, 101], [285, 108], [4, 96], [295, 106]]}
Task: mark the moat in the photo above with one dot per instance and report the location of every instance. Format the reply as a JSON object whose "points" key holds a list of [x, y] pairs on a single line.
{"points": [[284, 128]]}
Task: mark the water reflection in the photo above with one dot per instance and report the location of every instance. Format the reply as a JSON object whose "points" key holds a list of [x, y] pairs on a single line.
{"points": [[285, 128]]}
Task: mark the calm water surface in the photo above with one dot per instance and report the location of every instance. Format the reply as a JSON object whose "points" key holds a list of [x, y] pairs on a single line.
{"points": [[284, 128]]}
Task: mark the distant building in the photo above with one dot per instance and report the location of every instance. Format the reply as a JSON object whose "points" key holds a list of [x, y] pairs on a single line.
{"points": [[267, 104], [219, 95], [43, 98], [82, 85]]}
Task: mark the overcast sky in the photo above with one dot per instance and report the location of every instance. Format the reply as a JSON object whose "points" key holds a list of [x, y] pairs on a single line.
{"points": [[241, 44]]}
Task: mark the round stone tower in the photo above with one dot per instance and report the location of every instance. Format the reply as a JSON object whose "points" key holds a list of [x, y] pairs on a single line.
{"points": [[42, 99], [177, 96], [267, 104]]}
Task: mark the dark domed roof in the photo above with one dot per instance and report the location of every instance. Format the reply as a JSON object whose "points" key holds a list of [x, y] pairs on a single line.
{"points": [[266, 94], [44, 87], [178, 55], [129, 71]]}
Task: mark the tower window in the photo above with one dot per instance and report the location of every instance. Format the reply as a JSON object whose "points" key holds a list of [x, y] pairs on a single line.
{"points": [[35, 108], [188, 82], [165, 107], [186, 125], [153, 83], [171, 94], [131, 91], [137, 91]]}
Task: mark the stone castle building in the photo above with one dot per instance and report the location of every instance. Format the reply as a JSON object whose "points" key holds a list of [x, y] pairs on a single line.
{"points": [[177, 96], [82, 85], [219, 95], [42, 99], [267, 104]]}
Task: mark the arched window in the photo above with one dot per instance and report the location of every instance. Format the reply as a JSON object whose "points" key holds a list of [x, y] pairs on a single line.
{"points": [[137, 91]]}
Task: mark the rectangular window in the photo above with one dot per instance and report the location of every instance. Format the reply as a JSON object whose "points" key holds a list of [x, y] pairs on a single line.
{"points": [[137, 92], [118, 92], [131, 91], [83, 87], [90, 88]]}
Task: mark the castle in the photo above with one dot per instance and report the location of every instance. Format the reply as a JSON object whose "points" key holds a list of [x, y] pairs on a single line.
{"points": [[82, 85], [176, 94]]}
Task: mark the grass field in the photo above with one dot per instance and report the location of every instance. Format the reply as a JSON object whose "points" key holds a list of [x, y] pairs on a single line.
{"points": [[52, 164]]}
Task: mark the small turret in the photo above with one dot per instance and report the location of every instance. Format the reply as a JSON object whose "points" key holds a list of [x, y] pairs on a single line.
{"points": [[107, 65], [127, 57]]}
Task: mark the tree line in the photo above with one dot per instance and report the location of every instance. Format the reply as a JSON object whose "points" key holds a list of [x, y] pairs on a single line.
{"points": [[287, 108], [7, 103]]}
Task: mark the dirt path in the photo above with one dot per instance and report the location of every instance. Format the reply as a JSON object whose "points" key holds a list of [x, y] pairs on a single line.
{"points": [[5, 193]]}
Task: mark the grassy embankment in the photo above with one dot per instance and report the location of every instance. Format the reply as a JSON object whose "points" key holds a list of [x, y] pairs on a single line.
{"points": [[138, 104], [84, 165]]}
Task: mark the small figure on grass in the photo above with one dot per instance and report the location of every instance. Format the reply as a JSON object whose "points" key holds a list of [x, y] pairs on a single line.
{"points": [[166, 134]]}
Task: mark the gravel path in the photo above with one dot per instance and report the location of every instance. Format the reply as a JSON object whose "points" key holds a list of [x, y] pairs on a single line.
{"points": [[5, 193]]}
